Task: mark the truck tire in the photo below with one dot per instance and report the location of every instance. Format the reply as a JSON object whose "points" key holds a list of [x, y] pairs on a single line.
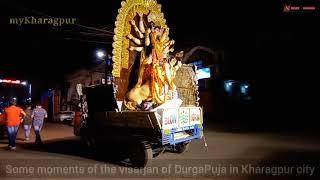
{"points": [[88, 141], [90, 145], [141, 155], [158, 151], [181, 147]]}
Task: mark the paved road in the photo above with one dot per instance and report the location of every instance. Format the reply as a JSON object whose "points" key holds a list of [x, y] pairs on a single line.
{"points": [[236, 150]]}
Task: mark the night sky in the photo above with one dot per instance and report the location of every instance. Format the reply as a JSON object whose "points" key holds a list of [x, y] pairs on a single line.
{"points": [[277, 51]]}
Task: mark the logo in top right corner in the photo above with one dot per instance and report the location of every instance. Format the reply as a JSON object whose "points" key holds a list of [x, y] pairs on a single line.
{"points": [[299, 8]]}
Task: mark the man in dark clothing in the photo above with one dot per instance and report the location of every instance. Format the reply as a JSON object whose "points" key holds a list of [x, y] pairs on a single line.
{"points": [[27, 123]]}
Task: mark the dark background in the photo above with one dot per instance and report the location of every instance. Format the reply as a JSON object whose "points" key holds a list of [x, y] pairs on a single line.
{"points": [[276, 51]]}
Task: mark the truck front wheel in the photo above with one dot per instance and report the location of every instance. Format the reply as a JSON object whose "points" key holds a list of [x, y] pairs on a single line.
{"points": [[89, 142]]}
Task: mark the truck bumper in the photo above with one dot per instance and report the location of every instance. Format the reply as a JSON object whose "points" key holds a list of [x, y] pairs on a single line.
{"points": [[179, 135]]}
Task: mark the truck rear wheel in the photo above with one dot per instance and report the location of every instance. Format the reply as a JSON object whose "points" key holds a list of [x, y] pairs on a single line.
{"points": [[181, 147], [158, 151], [141, 154]]}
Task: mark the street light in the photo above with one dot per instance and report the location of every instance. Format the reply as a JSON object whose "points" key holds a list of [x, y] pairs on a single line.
{"points": [[100, 54], [103, 56]]}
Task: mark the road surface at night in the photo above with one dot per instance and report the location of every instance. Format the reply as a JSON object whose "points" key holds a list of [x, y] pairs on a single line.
{"points": [[62, 148]]}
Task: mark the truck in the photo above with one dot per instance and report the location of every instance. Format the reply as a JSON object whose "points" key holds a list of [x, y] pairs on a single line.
{"points": [[153, 132], [151, 101]]}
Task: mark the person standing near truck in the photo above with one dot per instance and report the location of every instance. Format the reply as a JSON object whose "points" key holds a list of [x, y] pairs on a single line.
{"points": [[2, 123], [27, 122], [13, 119], [38, 115]]}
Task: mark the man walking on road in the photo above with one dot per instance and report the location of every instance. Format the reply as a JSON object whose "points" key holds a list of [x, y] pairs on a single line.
{"points": [[38, 115], [13, 120], [27, 122]]}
